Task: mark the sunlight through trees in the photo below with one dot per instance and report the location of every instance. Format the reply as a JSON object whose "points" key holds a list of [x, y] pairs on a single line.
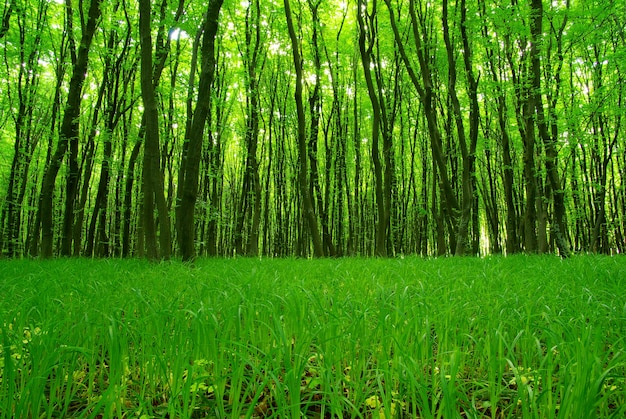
{"points": [[311, 128]]}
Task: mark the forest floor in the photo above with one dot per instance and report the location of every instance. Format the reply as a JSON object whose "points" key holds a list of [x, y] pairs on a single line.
{"points": [[522, 336]]}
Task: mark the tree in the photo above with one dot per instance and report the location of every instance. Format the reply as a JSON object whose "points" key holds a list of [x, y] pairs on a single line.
{"points": [[116, 84], [495, 62], [68, 135], [549, 141], [425, 90], [26, 131], [152, 176], [190, 162], [252, 54], [305, 195], [345, 128], [6, 19]]}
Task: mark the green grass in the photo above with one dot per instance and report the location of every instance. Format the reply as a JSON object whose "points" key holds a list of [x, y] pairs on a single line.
{"points": [[531, 337]]}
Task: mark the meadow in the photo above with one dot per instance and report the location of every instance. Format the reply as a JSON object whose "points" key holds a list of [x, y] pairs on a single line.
{"points": [[515, 337]]}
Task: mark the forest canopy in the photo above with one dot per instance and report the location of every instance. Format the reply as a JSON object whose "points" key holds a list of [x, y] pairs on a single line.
{"points": [[311, 127]]}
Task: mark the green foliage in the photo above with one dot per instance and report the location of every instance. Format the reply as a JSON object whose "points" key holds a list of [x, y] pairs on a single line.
{"points": [[582, 58], [499, 337]]}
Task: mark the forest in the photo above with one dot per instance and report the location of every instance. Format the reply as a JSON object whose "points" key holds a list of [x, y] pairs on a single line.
{"points": [[310, 128]]}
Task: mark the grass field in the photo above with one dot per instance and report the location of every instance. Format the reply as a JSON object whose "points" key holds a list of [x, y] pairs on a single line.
{"points": [[531, 337]]}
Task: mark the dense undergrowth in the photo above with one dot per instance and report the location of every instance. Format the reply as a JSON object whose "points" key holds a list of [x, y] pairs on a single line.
{"points": [[534, 337]]}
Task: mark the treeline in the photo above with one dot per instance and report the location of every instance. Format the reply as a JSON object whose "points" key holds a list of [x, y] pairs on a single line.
{"points": [[312, 127]]}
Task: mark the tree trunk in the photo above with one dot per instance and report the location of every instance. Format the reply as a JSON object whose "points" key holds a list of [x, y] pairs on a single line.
{"points": [[308, 211], [25, 128], [426, 94], [88, 165], [190, 164], [68, 132], [366, 44], [250, 197], [6, 20], [315, 106], [512, 237], [153, 191], [558, 227], [467, 153], [128, 198]]}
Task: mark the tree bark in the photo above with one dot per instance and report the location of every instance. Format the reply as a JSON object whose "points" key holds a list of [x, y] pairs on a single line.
{"points": [[426, 92], [68, 132], [315, 106], [153, 191], [250, 198], [558, 227], [467, 152], [6, 20], [190, 164], [25, 129], [366, 44], [308, 211]]}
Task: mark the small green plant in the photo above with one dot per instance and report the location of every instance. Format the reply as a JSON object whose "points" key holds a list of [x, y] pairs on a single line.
{"points": [[534, 337]]}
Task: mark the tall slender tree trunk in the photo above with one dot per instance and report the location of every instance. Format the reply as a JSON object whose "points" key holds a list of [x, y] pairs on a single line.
{"points": [[426, 92], [356, 216], [512, 244], [308, 211], [6, 20], [153, 190], [88, 163], [250, 198], [530, 182], [190, 164], [315, 105], [128, 198], [25, 128], [87, 170], [34, 235], [68, 132], [467, 151], [558, 227], [339, 132], [366, 44]]}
